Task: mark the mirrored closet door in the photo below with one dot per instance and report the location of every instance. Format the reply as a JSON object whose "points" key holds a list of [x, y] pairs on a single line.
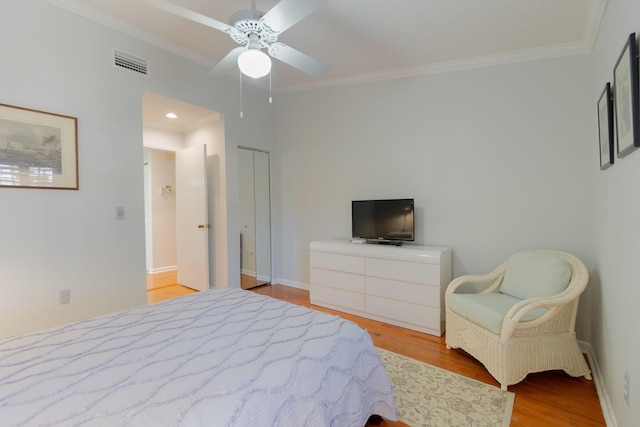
{"points": [[254, 217]]}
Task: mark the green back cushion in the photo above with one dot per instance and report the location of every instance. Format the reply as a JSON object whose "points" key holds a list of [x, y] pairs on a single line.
{"points": [[532, 274]]}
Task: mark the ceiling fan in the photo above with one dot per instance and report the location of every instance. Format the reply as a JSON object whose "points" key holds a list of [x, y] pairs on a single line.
{"points": [[254, 31]]}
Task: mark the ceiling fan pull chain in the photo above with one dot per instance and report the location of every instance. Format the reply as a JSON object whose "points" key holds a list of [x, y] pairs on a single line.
{"points": [[241, 114], [270, 99]]}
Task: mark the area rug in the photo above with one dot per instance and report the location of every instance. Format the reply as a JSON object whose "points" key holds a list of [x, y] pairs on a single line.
{"points": [[429, 396]]}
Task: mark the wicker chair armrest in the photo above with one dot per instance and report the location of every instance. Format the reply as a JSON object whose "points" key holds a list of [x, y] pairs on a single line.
{"points": [[495, 277], [517, 312]]}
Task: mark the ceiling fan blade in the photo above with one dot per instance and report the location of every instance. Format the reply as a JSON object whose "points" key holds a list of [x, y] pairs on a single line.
{"points": [[228, 62], [288, 12], [188, 14], [298, 60]]}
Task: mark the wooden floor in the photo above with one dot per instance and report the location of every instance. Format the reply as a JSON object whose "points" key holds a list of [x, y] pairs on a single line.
{"points": [[162, 286], [545, 399], [248, 282]]}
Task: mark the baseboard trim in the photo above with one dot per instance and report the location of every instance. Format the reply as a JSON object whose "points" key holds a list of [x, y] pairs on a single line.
{"points": [[605, 403], [292, 284], [162, 269], [248, 272]]}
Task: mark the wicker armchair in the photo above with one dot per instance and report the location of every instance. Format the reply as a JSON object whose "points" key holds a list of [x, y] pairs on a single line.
{"points": [[532, 334]]}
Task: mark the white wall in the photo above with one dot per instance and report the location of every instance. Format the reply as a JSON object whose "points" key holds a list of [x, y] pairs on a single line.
{"points": [[497, 160], [155, 142], [615, 277], [162, 139], [53, 239], [163, 211]]}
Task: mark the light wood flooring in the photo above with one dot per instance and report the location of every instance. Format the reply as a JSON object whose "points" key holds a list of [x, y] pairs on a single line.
{"points": [[162, 286], [545, 399]]}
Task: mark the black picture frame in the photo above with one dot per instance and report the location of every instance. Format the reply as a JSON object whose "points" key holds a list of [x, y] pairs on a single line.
{"points": [[605, 127], [626, 106]]}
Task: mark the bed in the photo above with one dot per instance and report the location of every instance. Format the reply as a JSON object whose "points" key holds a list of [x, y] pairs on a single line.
{"points": [[224, 357]]}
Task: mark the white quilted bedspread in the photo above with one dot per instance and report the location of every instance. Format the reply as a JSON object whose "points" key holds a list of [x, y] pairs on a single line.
{"points": [[224, 357]]}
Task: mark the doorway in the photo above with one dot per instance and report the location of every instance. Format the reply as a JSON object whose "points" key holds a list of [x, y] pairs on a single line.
{"points": [[176, 216], [165, 142]]}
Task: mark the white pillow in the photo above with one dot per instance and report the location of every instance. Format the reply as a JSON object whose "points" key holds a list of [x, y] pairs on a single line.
{"points": [[532, 274]]}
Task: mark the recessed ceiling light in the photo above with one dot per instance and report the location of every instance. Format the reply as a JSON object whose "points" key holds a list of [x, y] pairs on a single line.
{"points": [[171, 116]]}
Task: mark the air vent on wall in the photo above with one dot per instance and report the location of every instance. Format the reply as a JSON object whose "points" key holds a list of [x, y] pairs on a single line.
{"points": [[130, 62]]}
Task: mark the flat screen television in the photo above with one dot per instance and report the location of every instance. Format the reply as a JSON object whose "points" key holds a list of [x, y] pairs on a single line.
{"points": [[383, 221]]}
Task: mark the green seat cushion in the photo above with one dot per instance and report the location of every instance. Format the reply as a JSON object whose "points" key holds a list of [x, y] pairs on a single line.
{"points": [[488, 310], [535, 274]]}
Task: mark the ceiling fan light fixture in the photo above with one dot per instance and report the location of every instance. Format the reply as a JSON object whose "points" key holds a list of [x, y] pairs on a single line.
{"points": [[254, 63]]}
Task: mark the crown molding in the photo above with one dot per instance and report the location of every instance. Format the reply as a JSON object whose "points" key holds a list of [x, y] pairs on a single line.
{"points": [[450, 66], [592, 24], [119, 25]]}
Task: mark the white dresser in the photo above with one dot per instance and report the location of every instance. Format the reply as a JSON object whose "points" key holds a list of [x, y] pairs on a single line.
{"points": [[401, 285]]}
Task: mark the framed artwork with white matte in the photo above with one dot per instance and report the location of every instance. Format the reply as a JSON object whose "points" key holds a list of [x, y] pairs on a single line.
{"points": [[38, 149], [625, 86]]}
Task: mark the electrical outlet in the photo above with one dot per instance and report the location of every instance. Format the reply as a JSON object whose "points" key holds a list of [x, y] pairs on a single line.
{"points": [[627, 386], [65, 296]]}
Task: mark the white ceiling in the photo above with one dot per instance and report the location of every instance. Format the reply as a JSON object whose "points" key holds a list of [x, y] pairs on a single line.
{"points": [[366, 40], [155, 107]]}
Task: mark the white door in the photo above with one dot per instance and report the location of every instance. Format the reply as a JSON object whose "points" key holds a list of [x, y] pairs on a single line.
{"points": [[192, 226]]}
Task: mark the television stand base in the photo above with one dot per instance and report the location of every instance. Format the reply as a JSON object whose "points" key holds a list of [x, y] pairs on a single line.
{"points": [[386, 242]]}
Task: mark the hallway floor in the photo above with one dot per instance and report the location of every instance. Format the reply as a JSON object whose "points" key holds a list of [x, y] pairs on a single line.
{"points": [[162, 286]]}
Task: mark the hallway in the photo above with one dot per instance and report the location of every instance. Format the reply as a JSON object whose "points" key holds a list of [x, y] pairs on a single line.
{"points": [[162, 286]]}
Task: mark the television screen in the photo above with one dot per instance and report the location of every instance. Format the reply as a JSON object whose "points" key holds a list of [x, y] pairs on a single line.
{"points": [[383, 220]]}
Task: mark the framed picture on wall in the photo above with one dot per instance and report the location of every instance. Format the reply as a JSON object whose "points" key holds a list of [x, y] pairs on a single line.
{"points": [[625, 84], [37, 149], [605, 126]]}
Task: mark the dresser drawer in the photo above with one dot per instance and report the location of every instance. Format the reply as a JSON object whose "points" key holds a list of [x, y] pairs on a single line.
{"points": [[403, 291], [346, 263], [401, 270], [321, 295], [415, 314], [403, 285], [337, 279]]}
